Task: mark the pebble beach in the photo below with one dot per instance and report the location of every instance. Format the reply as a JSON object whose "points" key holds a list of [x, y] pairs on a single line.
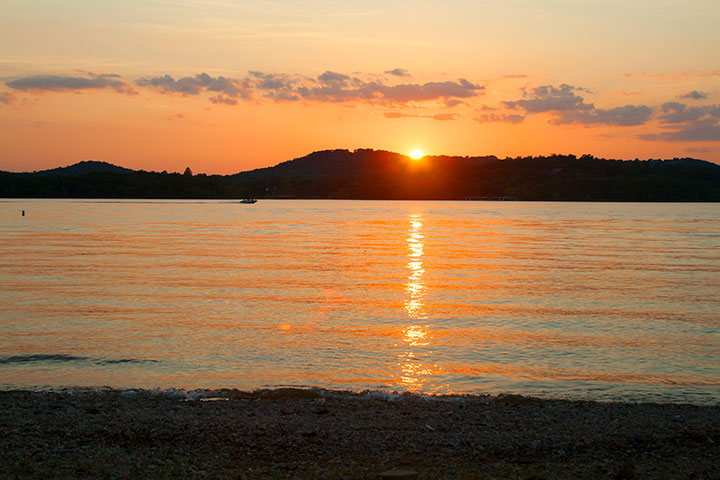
{"points": [[302, 433]]}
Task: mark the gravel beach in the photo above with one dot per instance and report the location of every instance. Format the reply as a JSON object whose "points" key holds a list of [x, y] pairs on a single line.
{"points": [[294, 433]]}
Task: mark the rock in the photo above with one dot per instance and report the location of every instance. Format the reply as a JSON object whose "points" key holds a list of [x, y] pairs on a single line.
{"points": [[399, 473]]}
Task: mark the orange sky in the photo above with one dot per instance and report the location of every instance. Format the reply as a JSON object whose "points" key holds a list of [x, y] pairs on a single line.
{"points": [[225, 86]]}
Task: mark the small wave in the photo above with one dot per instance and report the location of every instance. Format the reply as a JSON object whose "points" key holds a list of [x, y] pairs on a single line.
{"points": [[60, 358]]}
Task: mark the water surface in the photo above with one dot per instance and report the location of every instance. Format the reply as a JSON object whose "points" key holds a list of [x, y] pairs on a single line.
{"points": [[576, 300]]}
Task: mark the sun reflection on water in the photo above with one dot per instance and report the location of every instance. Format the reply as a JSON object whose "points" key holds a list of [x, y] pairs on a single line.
{"points": [[416, 285], [412, 369]]}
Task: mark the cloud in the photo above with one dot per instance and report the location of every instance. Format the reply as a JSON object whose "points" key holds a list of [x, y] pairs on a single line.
{"points": [[56, 83], [192, 86], [221, 99], [329, 86], [687, 124], [7, 98], [495, 118], [277, 86], [39, 124], [336, 87], [625, 93], [550, 99], [405, 93], [700, 149], [674, 112], [398, 72], [443, 117], [569, 107], [629, 115], [333, 78], [694, 95]]}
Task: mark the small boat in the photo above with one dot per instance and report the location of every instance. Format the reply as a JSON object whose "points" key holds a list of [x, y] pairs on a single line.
{"points": [[248, 200]]}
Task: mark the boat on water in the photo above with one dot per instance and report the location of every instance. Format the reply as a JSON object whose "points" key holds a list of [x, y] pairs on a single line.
{"points": [[248, 200]]}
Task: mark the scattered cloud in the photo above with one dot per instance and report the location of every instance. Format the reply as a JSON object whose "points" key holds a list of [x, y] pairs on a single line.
{"points": [[629, 115], [569, 107], [687, 124], [694, 95], [7, 98], [675, 112], [190, 86], [443, 117], [336, 87], [329, 86], [550, 99], [223, 100], [495, 118], [39, 124], [56, 83], [277, 86], [398, 72], [405, 93]]}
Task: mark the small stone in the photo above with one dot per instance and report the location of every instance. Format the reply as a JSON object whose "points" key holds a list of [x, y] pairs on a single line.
{"points": [[399, 473]]}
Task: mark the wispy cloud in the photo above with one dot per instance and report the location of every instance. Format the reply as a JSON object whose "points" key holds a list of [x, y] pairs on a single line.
{"points": [[398, 72], [56, 83], [499, 118], [694, 95], [443, 117], [7, 98]]}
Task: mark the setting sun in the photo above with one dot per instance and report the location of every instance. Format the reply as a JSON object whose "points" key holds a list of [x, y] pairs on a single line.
{"points": [[416, 154]]}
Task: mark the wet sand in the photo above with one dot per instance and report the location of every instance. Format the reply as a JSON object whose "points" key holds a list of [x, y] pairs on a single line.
{"points": [[321, 434]]}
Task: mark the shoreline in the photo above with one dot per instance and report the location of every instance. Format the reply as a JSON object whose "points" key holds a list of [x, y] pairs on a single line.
{"points": [[325, 434]]}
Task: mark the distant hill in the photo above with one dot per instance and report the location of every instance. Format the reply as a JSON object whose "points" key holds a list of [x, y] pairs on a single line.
{"points": [[371, 174], [378, 174], [86, 166]]}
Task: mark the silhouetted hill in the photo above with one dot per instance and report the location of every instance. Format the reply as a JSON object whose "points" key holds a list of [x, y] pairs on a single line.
{"points": [[369, 174], [86, 166], [377, 174]]}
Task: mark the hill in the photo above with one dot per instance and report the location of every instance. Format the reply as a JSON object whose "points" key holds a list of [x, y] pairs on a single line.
{"points": [[370, 174], [86, 166], [378, 174]]}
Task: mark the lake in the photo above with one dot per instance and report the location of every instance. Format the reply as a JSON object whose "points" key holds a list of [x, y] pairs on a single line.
{"points": [[605, 301]]}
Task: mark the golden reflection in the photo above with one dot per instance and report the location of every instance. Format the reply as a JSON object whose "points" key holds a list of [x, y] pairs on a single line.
{"points": [[412, 369], [416, 285]]}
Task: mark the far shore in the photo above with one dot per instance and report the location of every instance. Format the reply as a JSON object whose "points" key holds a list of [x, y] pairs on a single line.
{"points": [[296, 433]]}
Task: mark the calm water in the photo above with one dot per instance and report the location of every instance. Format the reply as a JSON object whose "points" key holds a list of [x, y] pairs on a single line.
{"points": [[578, 300]]}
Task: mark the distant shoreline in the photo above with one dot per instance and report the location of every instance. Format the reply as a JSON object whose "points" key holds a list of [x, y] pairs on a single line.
{"points": [[366, 174], [296, 433]]}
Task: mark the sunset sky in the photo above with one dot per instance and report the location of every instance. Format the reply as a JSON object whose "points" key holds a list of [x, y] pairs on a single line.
{"points": [[224, 86]]}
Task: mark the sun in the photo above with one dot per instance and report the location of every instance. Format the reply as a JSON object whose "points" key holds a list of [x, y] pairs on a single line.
{"points": [[416, 154]]}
